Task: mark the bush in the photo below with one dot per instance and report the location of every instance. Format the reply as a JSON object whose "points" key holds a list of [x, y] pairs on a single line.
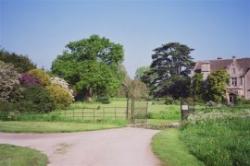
{"points": [[62, 83], [240, 101], [9, 83], [60, 96], [36, 99], [28, 80], [41, 75]]}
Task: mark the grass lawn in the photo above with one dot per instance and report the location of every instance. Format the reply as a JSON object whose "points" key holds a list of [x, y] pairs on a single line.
{"points": [[163, 111], [171, 150], [118, 107], [11, 155], [42, 127], [115, 102]]}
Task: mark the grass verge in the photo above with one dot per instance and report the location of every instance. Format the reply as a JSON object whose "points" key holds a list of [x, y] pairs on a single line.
{"points": [[21, 156], [219, 142], [49, 127], [171, 150]]}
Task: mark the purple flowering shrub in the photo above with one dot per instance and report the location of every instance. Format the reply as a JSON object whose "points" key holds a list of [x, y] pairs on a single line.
{"points": [[29, 80]]}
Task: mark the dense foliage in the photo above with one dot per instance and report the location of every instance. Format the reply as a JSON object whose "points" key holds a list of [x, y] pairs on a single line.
{"points": [[33, 91], [168, 74], [197, 86], [9, 83], [137, 89], [91, 65], [60, 96], [140, 72], [21, 63], [216, 85], [41, 75], [35, 99], [29, 80], [63, 84], [219, 142]]}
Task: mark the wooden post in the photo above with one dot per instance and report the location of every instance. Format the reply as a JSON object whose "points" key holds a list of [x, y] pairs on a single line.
{"points": [[147, 115], [115, 113], [184, 111], [103, 113], [65, 115], [132, 109], [82, 114]]}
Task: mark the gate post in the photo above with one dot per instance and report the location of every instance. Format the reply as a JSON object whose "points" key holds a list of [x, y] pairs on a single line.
{"points": [[127, 110], [132, 109], [184, 107]]}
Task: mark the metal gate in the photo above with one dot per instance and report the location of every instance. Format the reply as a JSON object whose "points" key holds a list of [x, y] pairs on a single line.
{"points": [[139, 111]]}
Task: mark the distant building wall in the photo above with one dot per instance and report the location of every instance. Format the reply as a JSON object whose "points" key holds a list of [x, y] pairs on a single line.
{"points": [[247, 85]]}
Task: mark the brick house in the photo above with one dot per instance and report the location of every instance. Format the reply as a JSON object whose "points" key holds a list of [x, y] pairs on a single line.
{"points": [[238, 70]]}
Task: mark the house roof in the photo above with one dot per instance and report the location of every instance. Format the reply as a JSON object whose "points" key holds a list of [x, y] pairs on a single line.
{"points": [[219, 64]]}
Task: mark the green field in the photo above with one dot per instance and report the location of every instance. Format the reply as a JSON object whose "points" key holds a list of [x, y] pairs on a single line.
{"points": [[83, 116], [171, 150], [97, 112], [11, 155], [48, 127], [163, 111]]}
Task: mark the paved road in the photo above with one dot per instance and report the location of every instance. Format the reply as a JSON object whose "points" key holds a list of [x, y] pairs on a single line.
{"points": [[113, 147]]}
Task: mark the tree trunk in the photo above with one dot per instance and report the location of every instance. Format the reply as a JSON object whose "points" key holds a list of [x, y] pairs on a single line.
{"points": [[88, 95]]}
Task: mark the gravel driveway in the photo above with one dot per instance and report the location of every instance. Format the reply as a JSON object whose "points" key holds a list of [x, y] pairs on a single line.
{"points": [[113, 147]]}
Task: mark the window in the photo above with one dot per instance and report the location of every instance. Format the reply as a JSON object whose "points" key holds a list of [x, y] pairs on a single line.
{"points": [[234, 71], [234, 81], [241, 80]]}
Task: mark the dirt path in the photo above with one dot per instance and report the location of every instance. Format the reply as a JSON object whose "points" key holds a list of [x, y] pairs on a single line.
{"points": [[113, 147]]}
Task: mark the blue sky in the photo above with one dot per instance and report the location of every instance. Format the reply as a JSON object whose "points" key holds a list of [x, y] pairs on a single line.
{"points": [[41, 28]]}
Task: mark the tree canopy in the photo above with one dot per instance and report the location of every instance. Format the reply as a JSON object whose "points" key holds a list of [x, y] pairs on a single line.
{"points": [[168, 74], [20, 62], [140, 72], [91, 65], [216, 85], [197, 85]]}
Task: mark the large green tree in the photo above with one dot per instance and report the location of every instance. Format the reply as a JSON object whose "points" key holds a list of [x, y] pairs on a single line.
{"points": [[20, 62], [197, 86], [168, 74], [216, 85], [91, 65]]}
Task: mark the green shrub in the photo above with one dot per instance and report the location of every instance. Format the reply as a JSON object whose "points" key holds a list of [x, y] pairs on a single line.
{"points": [[240, 101], [60, 96], [5, 106], [169, 100], [7, 110], [36, 99], [43, 77]]}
